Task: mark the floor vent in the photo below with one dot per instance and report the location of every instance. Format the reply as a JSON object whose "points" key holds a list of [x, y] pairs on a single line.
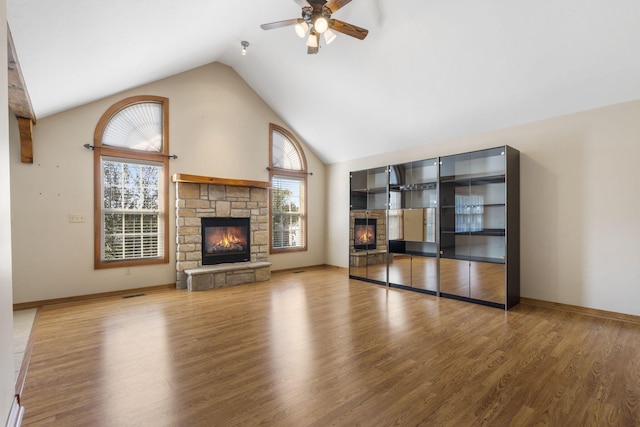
{"points": [[132, 296], [299, 271]]}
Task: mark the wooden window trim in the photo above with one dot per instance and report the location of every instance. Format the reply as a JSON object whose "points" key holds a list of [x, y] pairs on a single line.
{"points": [[124, 153], [291, 173]]}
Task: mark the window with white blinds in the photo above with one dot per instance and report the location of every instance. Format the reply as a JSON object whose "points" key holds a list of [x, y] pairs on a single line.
{"points": [[288, 174], [132, 198], [131, 183], [288, 222]]}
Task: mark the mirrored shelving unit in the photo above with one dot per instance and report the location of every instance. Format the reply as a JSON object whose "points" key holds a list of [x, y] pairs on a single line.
{"points": [[413, 203], [475, 222], [447, 226], [368, 225]]}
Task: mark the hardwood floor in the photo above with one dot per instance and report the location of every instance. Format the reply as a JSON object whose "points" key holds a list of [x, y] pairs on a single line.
{"points": [[315, 348]]}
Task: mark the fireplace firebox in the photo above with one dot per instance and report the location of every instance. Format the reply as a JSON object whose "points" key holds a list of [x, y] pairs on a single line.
{"points": [[225, 240], [364, 234]]}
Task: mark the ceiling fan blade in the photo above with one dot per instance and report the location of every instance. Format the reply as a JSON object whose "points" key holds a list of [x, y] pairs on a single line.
{"points": [[334, 5], [303, 3], [278, 24], [348, 29]]}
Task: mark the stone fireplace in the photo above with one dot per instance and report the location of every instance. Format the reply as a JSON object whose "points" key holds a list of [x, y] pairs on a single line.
{"points": [[226, 204]]}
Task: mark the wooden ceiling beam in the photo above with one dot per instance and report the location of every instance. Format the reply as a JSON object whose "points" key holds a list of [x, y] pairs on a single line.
{"points": [[19, 102], [26, 139]]}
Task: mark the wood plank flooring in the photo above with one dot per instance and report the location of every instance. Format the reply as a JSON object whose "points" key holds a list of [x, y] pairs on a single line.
{"points": [[314, 348]]}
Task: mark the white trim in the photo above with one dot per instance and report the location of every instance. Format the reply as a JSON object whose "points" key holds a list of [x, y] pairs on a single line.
{"points": [[16, 414]]}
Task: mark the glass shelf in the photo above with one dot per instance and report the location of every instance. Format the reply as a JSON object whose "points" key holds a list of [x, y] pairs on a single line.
{"points": [[475, 259], [486, 232], [484, 205], [414, 187], [476, 179]]}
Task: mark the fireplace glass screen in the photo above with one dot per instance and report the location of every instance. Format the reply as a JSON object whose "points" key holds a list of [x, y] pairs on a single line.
{"points": [[364, 234], [225, 240]]}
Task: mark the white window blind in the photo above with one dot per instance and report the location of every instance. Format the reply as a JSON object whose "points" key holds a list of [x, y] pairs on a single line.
{"points": [[284, 153], [287, 206], [131, 214], [137, 126]]}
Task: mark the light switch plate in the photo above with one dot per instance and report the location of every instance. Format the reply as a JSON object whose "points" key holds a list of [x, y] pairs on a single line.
{"points": [[76, 218]]}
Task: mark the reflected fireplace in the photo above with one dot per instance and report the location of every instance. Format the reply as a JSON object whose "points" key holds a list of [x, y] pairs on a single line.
{"points": [[225, 240], [364, 234]]}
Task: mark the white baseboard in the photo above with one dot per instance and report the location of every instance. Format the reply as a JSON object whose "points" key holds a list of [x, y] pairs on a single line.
{"points": [[15, 415]]}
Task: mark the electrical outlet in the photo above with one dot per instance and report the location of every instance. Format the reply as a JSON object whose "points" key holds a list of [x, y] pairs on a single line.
{"points": [[127, 271], [77, 218]]}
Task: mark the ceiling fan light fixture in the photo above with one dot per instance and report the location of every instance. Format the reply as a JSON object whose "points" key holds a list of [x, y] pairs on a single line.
{"points": [[321, 24], [301, 29], [312, 41], [316, 19], [329, 36]]}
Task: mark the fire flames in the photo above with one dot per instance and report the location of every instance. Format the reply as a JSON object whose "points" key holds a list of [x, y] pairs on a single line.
{"points": [[364, 235], [226, 240], [229, 240]]}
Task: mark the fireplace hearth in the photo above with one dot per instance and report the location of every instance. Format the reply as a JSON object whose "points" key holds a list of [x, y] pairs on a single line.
{"points": [[225, 240]]}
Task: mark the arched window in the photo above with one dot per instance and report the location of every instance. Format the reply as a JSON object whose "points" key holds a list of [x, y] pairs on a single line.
{"points": [[288, 177], [131, 168]]}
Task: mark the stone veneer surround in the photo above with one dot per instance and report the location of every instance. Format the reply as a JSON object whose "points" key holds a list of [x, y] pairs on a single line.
{"points": [[198, 197]]}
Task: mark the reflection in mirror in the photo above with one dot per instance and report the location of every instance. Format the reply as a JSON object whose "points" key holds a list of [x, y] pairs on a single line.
{"points": [[430, 227], [368, 244], [424, 273], [400, 269], [357, 258], [377, 258], [377, 269], [454, 277], [364, 233], [413, 225], [395, 224], [487, 281]]}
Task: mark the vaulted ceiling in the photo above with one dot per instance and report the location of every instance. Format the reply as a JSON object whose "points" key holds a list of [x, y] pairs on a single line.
{"points": [[429, 70]]}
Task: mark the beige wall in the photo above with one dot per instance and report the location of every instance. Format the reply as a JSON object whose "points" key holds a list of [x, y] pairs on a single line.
{"points": [[579, 199], [7, 380], [580, 204], [218, 127]]}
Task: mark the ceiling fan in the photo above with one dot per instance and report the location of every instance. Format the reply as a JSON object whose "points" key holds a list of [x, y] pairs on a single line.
{"points": [[316, 19]]}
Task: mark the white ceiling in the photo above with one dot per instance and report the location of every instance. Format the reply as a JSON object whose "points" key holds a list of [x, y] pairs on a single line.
{"points": [[430, 70]]}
